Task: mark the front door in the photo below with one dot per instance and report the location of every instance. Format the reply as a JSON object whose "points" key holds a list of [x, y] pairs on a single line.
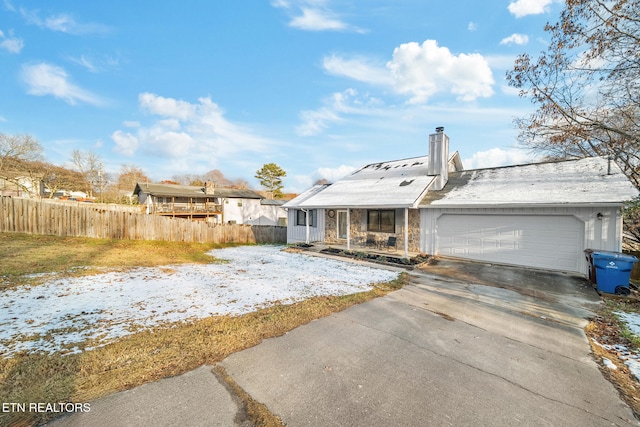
{"points": [[342, 225]]}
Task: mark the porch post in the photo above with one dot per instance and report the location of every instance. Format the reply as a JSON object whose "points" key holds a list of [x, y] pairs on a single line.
{"points": [[406, 233], [348, 229], [306, 221]]}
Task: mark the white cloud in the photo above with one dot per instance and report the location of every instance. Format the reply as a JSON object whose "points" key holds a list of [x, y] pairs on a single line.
{"points": [[45, 79], [422, 71], [9, 6], [334, 174], [194, 137], [501, 62], [357, 68], [472, 26], [313, 15], [317, 20], [85, 62], [495, 157], [519, 39], [522, 8], [126, 143], [63, 23], [11, 43], [166, 107], [95, 65], [302, 183], [315, 121], [335, 106]]}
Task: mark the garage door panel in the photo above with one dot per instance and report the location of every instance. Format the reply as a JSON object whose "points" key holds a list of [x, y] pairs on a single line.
{"points": [[553, 242]]}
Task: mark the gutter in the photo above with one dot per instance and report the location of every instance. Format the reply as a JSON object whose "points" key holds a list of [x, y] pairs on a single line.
{"points": [[520, 205], [393, 206]]}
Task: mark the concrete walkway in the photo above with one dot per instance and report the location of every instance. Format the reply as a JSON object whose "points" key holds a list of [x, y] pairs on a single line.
{"points": [[445, 350]]}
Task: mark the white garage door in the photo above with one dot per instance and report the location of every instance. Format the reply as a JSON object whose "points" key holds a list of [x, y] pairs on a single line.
{"points": [[551, 242]]}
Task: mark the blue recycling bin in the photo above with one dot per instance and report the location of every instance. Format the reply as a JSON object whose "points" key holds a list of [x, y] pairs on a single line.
{"points": [[613, 271]]}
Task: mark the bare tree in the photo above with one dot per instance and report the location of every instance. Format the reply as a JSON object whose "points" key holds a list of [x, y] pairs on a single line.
{"points": [[129, 176], [57, 178], [89, 164], [18, 148], [586, 85], [214, 175]]}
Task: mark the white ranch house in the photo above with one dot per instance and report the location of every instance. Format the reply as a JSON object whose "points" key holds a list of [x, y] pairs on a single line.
{"points": [[541, 215]]}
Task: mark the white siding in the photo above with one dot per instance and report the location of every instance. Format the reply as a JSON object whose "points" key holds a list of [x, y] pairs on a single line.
{"points": [[242, 211], [298, 233], [269, 215], [539, 237]]}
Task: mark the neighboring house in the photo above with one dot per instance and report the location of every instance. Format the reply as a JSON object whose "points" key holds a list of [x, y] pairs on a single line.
{"points": [[214, 204], [17, 185], [68, 195], [539, 215]]}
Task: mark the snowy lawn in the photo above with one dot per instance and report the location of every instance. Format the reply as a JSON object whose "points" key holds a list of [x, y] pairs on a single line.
{"points": [[629, 357], [73, 314]]}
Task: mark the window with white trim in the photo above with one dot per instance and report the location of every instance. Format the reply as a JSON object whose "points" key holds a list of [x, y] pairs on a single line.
{"points": [[301, 217]]}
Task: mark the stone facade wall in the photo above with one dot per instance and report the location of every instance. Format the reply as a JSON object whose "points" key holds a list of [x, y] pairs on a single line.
{"points": [[331, 227], [414, 232]]}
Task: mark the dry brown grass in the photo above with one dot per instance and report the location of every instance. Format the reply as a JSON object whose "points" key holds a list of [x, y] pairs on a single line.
{"points": [[149, 355], [23, 254], [606, 329], [253, 411], [155, 354]]}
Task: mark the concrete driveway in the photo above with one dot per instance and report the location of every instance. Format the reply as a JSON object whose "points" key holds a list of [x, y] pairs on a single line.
{"points": [[463, 344]]}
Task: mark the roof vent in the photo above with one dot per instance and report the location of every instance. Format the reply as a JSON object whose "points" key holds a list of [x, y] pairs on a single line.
{"points": [[440, 129]]}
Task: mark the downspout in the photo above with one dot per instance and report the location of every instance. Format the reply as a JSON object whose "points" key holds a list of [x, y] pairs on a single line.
{"points": [[406, 233], [348, 229]]}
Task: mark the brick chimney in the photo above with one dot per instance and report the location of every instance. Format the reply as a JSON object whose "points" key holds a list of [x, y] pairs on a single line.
{"points": [[209, 188], [438, 158]]}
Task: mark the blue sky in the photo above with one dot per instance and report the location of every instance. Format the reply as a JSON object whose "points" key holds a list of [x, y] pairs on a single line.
{"points": [[319, 87]]}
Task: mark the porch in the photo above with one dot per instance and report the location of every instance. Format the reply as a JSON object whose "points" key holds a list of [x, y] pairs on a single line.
{"points": [[381, 231]]}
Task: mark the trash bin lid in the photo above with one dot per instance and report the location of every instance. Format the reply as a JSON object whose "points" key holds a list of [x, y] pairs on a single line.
{"points": [[614, 255]]}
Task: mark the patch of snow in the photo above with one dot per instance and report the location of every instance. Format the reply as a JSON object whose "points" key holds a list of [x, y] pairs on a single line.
{"points": [[632, 320], [63, 314], [629, 357], [609, 364]]}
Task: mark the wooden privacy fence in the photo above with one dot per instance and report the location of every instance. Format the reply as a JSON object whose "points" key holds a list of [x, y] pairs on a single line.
{"points": [[635, 271], [37, 217]]}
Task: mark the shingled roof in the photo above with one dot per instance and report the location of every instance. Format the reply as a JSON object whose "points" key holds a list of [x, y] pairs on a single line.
{"points": [[577, 182], [394, 183], [175, 190]]}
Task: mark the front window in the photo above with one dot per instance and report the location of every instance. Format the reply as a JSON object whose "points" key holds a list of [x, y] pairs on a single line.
{"points": [[383, 221], [301, 217]]}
